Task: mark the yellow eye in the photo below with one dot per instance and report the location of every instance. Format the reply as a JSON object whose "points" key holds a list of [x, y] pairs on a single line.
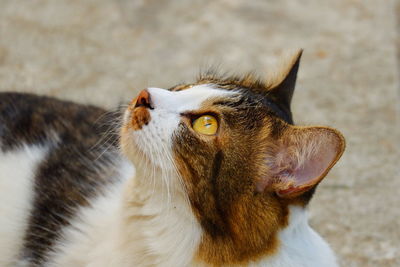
{"points": [[205, 124]]}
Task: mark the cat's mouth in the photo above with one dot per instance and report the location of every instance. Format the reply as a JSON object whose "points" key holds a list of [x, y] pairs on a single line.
{"points": [[139, 111]]}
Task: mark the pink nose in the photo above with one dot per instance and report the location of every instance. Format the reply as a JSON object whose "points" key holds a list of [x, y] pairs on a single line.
{"points": [[144, 100]]}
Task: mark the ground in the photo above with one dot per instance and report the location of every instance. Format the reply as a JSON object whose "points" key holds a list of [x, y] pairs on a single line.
{"points": [[103, 52]]}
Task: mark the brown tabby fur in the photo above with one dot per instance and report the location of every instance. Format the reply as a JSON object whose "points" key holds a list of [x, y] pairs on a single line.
{"points": [[221, 171]]}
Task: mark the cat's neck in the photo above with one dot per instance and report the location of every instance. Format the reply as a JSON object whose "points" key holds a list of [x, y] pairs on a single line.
{"points": [[163, 230], [139, 225], [170, 230]]}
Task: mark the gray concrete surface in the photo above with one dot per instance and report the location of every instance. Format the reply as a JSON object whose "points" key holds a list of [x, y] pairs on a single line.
{"points": [[103, 52]]}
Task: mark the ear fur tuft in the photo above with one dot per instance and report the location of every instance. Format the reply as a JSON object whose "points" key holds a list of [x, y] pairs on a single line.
{"points": [[282, 70], [282, 82]]}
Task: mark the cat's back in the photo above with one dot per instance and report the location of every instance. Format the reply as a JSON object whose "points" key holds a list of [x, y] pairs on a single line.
{"points": [[32, 119], [54, 156]]}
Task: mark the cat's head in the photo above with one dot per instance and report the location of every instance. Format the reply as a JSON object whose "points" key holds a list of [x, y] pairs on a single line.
{"points": [[240, 159]]}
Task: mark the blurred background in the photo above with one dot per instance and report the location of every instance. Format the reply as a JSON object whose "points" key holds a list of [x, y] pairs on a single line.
{"points": [[103, 52]]}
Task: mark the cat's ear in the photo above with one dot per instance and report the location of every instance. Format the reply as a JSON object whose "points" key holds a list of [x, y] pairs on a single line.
{"points": [[282, 84], [302, 159]]}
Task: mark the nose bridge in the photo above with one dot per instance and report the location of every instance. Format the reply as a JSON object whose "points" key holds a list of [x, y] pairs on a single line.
{"points": [[182, 101], [161, 98], [172, 101]]}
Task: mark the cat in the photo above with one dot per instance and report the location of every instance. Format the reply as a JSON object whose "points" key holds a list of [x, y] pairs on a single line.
{"points": [[212, 173]]}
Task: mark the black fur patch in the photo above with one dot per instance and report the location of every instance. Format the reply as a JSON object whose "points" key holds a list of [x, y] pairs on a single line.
{"points": [[70, 174]]}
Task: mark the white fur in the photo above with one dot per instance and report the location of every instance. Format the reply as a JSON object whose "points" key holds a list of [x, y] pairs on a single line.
{"points": [[17, 170], [138, 229], [300, 246], [186, 100]]}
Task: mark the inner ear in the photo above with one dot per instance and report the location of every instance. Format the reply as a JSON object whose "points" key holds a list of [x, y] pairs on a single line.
{"points": [[303, 158]]}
